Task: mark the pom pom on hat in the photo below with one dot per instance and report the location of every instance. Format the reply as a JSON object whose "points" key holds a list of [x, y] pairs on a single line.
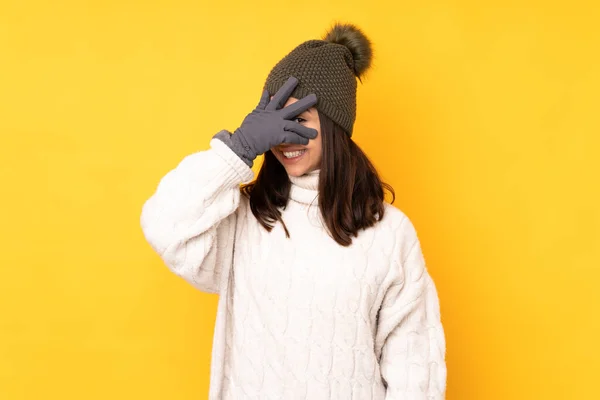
{"points": [[356, 41]]}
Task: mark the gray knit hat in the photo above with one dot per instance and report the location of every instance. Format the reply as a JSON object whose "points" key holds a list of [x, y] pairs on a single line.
{"points": [[327, 68]]}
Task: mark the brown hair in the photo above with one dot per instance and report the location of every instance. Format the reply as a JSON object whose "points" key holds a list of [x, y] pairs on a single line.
{"points": [[351, 194]]}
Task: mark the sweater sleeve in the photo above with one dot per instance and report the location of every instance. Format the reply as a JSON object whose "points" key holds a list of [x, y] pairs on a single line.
{"points": [[190, 219], [409, 326]]}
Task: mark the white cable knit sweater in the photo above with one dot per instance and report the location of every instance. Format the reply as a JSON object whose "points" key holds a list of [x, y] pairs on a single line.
{"points": [[299, 318]]}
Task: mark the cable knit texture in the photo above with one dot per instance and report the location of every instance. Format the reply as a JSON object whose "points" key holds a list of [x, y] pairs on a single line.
{"points": [[299, 318]]}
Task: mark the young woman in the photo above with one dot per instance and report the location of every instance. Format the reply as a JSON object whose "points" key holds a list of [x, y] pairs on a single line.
{"points": [[324, 293]]}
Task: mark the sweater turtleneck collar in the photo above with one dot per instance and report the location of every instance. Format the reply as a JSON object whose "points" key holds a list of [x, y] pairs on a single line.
{"points": [[305, 188]]}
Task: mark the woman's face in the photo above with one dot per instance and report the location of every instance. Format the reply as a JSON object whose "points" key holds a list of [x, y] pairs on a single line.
{"points": [[298, 159]]}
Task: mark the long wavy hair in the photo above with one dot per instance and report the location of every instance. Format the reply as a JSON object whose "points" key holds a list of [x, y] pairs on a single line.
{"points": [[351, 193]]}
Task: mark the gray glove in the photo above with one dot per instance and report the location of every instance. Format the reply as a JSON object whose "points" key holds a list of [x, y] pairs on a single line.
{"points": [[270, 125]]}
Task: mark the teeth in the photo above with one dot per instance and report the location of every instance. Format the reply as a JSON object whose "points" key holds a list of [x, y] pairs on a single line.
{"points": [[292, 154]]}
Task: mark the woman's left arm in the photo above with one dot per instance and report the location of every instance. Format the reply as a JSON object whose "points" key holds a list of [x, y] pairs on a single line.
{"points": [[410, 331]]}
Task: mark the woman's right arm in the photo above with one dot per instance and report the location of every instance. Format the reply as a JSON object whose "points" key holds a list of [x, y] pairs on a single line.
{"points": [[190, 219]]}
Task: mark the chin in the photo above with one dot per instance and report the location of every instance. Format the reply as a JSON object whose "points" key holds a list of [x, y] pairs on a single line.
{"points": [[296, 170], [294, 167]]}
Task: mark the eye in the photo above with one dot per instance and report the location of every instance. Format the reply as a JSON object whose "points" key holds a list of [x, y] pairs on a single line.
{"points": [[299, 120]]}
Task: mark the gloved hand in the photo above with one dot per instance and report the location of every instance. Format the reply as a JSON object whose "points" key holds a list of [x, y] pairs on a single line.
{"points": [[270, 125]]}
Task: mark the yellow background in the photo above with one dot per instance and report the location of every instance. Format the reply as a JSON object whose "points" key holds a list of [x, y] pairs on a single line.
{"points": [[484, 115]]}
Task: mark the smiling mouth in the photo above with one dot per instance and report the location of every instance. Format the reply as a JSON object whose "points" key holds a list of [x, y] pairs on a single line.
{"points": [[293, 154]]}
